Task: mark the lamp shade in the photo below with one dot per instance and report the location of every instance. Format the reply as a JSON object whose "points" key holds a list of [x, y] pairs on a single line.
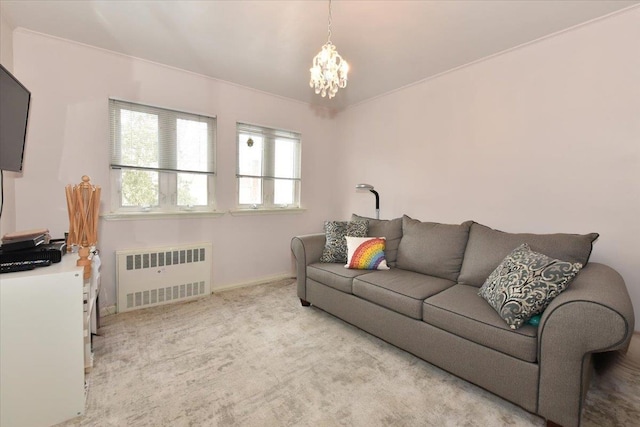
{"points": [[364, 187]]}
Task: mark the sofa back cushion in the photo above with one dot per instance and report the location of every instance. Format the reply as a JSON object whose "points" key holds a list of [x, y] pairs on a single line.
{"points": [[488, 247], [390, 229], [432, 248]]}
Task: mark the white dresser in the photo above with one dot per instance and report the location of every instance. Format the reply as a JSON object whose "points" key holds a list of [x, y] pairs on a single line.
{"points": [[42, 345]]}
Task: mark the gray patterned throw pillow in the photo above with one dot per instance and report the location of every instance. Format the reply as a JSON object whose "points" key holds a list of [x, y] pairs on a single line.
{"points": [[335, 248], [524, 284]]}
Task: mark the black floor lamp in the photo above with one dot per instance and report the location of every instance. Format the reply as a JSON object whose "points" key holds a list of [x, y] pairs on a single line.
{"points": [[370, 188]]}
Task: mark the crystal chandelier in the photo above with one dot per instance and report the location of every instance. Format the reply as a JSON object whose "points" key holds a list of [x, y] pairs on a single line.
{"points": [[329, 70]]}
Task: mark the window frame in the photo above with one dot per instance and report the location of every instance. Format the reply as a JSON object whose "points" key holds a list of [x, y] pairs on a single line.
{"points": [[167, 169], [267, 177]]}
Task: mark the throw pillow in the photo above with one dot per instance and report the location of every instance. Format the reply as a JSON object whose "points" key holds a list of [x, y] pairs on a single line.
{"points": [[335, 248], [366, 253], [390, 229], [525, 283], [535, 320]]}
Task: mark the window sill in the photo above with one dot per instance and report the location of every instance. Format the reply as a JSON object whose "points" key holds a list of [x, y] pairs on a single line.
{"points": [[269, 211], [128, 216]]}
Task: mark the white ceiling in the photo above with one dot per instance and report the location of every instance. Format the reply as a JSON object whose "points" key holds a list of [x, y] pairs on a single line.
{"points": [[269, 45]]}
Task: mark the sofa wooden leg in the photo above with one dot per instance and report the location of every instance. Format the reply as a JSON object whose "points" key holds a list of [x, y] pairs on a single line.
{"points": [[304, 303], [552, 424]]}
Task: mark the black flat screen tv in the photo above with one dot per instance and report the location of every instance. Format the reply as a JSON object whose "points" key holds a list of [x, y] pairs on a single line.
{"points": [[14, 115]]}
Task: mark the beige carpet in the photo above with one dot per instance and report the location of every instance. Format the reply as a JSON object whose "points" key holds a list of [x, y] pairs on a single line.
{"points": [[255, 357]]}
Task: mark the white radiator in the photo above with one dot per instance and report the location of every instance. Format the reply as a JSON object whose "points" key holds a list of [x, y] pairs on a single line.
{"points": [[156, 276]]}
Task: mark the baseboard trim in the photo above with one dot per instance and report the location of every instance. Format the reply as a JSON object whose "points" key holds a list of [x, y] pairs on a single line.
{"points": [[256, 282], [111, 309], [108, 310]]}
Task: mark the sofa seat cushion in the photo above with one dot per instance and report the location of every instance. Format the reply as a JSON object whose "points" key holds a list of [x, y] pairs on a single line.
{"points": [[399, 290], [461, 311], [334, 275]]}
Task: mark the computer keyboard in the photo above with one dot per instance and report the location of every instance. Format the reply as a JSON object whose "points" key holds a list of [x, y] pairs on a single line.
{"points": [[10, 267]]}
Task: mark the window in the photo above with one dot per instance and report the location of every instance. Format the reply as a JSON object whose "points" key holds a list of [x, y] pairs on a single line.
{"points": [[161, 160], [268, 169]]}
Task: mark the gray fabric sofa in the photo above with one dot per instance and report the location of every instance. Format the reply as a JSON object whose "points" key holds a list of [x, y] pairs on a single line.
{"points": [[428, 305]]}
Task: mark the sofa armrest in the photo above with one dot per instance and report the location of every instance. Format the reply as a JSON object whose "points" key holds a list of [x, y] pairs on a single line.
{"points": [[307, 249], [594, 314]]}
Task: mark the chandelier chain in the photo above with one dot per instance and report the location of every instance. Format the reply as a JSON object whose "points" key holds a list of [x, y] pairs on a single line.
{"points": [[329, 26]]}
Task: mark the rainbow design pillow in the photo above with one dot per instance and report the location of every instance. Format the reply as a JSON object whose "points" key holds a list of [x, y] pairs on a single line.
{"points": [[366, 253]]}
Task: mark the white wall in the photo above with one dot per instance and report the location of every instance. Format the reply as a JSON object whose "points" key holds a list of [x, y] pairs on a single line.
{"points": [[545, 138], [8, 218], [68, 138]]}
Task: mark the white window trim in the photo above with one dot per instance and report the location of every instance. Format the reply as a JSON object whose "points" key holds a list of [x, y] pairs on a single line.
{"points": [[268, 178], [167, 185], [128, 216], [266, 211]]}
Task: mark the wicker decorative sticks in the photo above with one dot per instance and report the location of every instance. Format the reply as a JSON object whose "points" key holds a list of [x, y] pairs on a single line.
{"points": [[83, 204]]}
